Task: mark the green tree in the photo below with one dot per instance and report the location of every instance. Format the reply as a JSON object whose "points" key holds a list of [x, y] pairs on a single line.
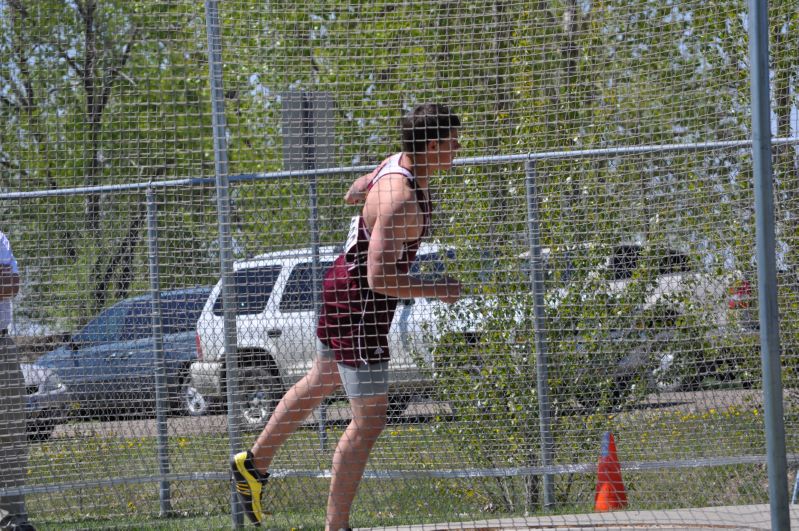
{"points": [[87, 103]]}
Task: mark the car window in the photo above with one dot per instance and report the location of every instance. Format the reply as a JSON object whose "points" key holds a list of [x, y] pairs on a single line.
{"points": [[299, 293], [252, 288], [181, 312], [550, 265], [106, 326]]}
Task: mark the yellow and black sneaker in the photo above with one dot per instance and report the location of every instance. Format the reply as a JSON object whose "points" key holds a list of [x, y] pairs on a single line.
{"points": [[249, 485]]}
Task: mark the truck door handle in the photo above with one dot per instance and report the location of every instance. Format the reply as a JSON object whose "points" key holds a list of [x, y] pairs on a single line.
{"points": [[274, 332]]}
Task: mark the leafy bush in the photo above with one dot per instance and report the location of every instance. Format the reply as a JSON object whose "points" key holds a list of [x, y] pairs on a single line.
{"points": [[488, 378], [606, 348]]}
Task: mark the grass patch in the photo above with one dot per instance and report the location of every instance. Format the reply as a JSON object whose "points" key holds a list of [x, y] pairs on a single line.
{"points": [[645, 436]]}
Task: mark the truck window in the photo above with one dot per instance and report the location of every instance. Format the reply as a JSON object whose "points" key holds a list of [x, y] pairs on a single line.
{"points": [[252, 288], [673, 262], [431, 266], [299, 295], [624, 261]]}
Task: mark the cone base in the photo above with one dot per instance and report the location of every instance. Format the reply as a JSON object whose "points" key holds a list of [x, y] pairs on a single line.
{"points": [[609, 498]]}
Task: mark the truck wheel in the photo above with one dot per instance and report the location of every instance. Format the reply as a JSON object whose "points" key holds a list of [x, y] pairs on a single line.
{"points": [[185, 399], [260, 392], [665, 381], [397, 404], [41, 430]]}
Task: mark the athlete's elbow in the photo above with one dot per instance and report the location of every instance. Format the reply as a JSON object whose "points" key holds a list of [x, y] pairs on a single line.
{"points": [[378, 284], [374, 283]]}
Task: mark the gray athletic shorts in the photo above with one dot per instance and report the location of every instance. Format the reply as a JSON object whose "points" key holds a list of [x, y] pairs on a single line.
{"points": [[361, 381]]}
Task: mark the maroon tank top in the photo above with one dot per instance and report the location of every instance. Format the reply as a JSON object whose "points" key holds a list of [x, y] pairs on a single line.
{"points": [[355, 321]]}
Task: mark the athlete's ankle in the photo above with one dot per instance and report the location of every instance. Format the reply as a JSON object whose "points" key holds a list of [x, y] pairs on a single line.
{"points": [[261, 464]]}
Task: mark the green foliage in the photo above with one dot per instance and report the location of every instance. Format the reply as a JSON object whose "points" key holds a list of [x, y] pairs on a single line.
{"points": [[128, 101], [490, 389], [608, 344]]}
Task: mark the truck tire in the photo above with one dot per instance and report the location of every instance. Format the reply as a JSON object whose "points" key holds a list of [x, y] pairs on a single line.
{"points": [[397, 404], [185, 399], [260, 391]]}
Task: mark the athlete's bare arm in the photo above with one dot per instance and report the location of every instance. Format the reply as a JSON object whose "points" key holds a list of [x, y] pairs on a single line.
{"points": [[357, 192], [360, 186], [395, 217]]}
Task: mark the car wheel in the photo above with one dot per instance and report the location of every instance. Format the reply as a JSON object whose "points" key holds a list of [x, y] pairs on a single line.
{"points": [[260, 392], [665, 380], [195, 404]]}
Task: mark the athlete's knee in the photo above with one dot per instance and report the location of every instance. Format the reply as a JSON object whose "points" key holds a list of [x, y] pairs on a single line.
{"points": [[325, 372], [370, 415]]}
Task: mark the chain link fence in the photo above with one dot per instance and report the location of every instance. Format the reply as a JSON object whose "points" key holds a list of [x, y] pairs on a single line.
{"points": [[600, 216]]}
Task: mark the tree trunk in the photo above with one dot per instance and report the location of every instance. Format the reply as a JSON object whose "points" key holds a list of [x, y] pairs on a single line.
{"points": [[121, 260], [88, 11]]}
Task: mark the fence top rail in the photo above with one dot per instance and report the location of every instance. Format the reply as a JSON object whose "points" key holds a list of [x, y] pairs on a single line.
{"points": [[465, 161]]}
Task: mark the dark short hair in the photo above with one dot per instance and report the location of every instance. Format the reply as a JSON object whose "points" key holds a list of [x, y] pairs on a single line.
{"points": [[426, 122]]}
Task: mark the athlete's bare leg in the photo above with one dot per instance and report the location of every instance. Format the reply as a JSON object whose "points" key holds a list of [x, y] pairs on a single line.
{"points": [[352, 452], [295, 406]]}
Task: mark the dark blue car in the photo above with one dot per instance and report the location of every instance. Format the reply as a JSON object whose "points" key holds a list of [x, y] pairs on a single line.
{"points": [[109, 366]]}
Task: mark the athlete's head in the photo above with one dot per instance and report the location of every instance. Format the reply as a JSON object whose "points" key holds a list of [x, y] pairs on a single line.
{"points": [[431, 129], [425, 123]]}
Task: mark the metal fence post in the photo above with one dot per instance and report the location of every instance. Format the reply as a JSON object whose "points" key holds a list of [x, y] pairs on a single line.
{"points": [[766, 265], [225, 238], [161, 393], [539, 324], [309, 163]]}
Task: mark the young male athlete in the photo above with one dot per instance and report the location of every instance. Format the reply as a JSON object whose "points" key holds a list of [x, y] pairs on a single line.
{"points": [[359, 294]]}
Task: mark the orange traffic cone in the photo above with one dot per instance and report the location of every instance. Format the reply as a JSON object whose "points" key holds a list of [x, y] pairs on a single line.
{"points": [[610, 493]]}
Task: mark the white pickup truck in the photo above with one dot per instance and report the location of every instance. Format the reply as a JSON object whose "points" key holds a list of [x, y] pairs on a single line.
{"points": [[668, 317], [276, 301]]}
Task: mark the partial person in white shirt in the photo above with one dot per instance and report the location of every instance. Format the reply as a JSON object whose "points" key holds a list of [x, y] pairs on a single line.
{"points": [[13, 437]]}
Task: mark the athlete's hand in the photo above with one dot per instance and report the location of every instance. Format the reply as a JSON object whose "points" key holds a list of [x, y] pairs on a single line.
{"points": [[353, 197], [448, 290]]}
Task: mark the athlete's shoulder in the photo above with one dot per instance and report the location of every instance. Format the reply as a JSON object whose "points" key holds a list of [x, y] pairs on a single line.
{"points": [[396, 184]]}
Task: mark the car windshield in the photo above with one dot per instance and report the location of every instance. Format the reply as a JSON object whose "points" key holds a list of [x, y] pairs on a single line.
{"points": [[252, 288], [132, 319], [107, 326]]}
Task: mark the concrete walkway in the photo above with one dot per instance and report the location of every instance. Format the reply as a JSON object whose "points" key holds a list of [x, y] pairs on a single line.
{"points": [[735, 517]]}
